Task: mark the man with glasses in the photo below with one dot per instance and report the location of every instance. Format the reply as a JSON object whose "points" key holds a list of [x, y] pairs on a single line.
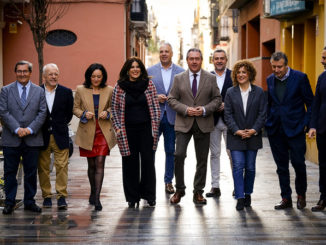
{"points": [[22, 112]]}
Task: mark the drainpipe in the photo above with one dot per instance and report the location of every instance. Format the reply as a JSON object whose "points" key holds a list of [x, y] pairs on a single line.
{"points": [[2, 25]]}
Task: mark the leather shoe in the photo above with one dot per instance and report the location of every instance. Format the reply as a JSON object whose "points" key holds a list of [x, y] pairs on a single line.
{"points": [[169, 188], [199, 199], [301, 202], [319, 207], [214, 192], [240, 204], [285, 203], [34, 208], [8, 209], [151, 203], [175, 199], [247, 200]]}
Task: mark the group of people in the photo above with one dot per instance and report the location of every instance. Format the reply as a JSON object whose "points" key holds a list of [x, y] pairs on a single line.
{"points": [[164, 99]]}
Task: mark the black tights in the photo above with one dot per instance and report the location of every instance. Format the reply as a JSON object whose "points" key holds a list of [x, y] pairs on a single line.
{"points": [[95, 175]]}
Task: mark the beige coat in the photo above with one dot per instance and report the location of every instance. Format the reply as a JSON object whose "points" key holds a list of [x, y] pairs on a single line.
{"points": [[86, 131]]}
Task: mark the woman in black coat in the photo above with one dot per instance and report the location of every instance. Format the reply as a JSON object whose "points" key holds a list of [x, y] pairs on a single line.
{"points": [[245, 115]]}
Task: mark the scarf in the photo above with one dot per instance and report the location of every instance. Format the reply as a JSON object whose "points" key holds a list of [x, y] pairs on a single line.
{"points": [[135, 88]]}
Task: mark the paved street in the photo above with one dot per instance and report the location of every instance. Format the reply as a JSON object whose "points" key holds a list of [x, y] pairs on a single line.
{"points": [[218, 222]]}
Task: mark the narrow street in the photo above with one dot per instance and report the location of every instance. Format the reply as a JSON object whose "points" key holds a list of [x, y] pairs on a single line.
{"points": [[218, 222]]}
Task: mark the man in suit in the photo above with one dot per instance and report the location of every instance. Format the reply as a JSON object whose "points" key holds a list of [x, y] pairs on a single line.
{"points": [[224, 81], [288, 114], [162, 76], [59, 101], [318, 129], [22, 112], [194, 96]]}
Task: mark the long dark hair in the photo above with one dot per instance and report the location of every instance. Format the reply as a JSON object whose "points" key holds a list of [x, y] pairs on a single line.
{"points": [[124, 76], [89, 72]]}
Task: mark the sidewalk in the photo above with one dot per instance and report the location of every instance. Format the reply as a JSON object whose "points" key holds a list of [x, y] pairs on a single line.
{"points": [[218, 222]]}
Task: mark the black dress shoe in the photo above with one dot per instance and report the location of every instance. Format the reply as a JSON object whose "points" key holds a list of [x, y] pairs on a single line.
{"points": [[33, 208], [151, 203], [98, 205], [199, 199], [285, 203], [301, 202], [319, 207], [91, 199], [8, 209], [240, 204], [133, 204], [214, 192], [247, 200]]}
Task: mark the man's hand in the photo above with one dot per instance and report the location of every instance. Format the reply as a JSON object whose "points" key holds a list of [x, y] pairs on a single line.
{"points": [[89, 115], [199, 111], [162, 98], [22, 132], [221, 108], [191, 111], [312, 133]]}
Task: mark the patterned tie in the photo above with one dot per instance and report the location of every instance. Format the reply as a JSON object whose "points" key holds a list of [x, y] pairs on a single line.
{"points": [[194, 85], [23, 97]]}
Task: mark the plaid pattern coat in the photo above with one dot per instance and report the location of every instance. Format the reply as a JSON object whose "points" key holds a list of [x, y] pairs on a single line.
{"points": [[118, 116]]}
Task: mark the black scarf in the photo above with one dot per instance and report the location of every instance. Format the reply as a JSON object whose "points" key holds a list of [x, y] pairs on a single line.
{"points": [[135, 88]]}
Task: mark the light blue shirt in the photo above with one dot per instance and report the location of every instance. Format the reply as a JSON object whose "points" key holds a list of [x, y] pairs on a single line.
{"points": [[166, 75], [20, 91], [285, 76]]}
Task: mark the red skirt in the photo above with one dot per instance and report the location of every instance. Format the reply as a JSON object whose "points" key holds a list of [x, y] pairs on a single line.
{"points": [[100, 147]]}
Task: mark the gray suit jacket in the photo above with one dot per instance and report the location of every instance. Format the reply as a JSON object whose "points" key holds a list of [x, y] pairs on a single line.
{"points": [[14, 115], [155, 72], [181, 97], [236, 119]]}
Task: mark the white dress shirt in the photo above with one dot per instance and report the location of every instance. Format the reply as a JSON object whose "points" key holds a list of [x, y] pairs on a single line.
{"points": [[244, 96], [49, 96], [220, 80], [191, 78]]}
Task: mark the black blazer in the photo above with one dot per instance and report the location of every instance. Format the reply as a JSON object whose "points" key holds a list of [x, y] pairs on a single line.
{"points": [[318, 118], [236, 120], [59, 118], [227, 84]]}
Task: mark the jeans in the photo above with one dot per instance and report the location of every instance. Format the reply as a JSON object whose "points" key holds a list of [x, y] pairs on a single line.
{"points": [[244, 171], [169, 146]]}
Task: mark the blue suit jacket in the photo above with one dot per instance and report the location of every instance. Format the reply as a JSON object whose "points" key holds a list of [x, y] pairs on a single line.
{"points": [[294, 112], [318, 119], [227, 84], [155, 72]]}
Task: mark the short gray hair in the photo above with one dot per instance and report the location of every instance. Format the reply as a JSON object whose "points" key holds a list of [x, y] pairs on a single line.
{"points": [[278, 56], [24, 62], [194, 50], [48, 66], [167, 44]]}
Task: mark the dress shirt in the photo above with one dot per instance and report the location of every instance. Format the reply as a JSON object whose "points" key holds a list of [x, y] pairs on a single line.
{"points": [[166, 75], [244, 96], [49, 95], [20, 91], [285, 76], [220, 80], [191, 78]]}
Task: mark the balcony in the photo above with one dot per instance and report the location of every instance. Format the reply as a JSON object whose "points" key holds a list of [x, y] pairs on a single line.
{"points": [[138, 11]]}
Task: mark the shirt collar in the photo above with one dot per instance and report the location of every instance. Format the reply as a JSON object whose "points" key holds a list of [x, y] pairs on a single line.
{"points": [[198, 73], [222, 73], [170, 67], [21, 86], [285, 76], [248, 90], [52, 90]]}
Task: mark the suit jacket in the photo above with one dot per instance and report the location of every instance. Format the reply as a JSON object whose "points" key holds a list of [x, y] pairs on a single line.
{"points": [[294, 112], [181, 97], [236, 119], [86, 131], [155, 72], [227, 84], [318, 118], [14, 115], [59, 118]]}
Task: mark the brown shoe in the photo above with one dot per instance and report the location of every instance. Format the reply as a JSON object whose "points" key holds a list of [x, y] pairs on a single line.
{"points": [[285, 203], [169, 188], [319, 207], [215, 192], [199, 199], [301, 203], [175, 199]]}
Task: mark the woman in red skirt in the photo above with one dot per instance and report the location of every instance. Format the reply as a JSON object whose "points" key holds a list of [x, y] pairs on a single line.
{"points": [[95, 135]]}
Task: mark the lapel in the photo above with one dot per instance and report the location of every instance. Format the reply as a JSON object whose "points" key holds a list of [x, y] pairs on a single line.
{"points": [[103, 97], [159, 77], [202, 82], [172, 77], [30, 95], [88, 94], [15, 92], [57, 97], [187, 80], [272, 88], [250, 99], [227, 82], [238, 97]]}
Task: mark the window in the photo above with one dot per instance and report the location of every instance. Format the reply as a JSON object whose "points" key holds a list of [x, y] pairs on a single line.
{"points": [[61, 37]]}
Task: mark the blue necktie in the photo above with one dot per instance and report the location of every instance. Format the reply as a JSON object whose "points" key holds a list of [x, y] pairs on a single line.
{"points": [[194, 85], [23, 97]]}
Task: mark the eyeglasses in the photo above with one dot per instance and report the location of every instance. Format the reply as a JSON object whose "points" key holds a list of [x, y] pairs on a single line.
{"points": [[22, 71]]}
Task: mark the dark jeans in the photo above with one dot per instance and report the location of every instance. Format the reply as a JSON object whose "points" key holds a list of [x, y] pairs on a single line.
{"points": [[284, 149], [201, 147], [244, 171], [169, 146], [321, 144], [138, 169], [12, 157]]}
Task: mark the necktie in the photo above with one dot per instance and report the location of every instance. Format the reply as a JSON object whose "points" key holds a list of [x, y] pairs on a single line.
{"points": [[194, 85], [23, 96]]}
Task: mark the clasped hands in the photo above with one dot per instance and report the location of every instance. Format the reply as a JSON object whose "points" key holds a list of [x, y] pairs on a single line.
{"points": [[89, 115], [245, 133], [22, 132], [195, 111]]}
